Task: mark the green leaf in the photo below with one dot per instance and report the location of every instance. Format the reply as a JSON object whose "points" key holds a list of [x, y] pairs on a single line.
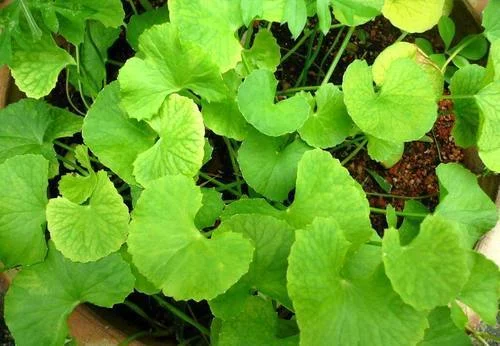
{"points": [[384, 185], [207, 152], [165, 66], [251, 9], [9, 19], [23, 182], [324, 15], [442, 331], [42, 296], [250, 206], [36, 65], [330, 124], [295, 14], [325, 189], [476, 49], [415, 15], [88, 232], [356, 12], [446, 28], [141, 22], [107, 127], [269, 164], [211, 24], [391, 217], [93, 57], [425, 45], [481, 292], [333, 302], [76, 188], [463, 201], [466, 81], [488, 100], [182, 262], [142, 284], [256, 103], [272, 239], [179, 149], [493, 67], [212, 206], [264, 54], [30, 126], [257, 324], [434, 279], [403, 110], [385, 152], [460, 62], [490, 21], [408, 50], [411, 225]]}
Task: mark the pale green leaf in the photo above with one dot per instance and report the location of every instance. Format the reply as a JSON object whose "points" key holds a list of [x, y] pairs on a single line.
{"points": [[250, 206], [23, 182], [42, 296], [493, 66], [466, 81], [442, 331], [264, 54], [179, 149], [142, 284], [141, 22], [385, 152], [403, 110], [166, 65], [490, 20], [256, 103], [488, 100], [325, 189], [330, 124], [463, 201], [30, 126], [356, 12], [272, 239], [411, 225], [295, 14], [257, 324], [446, 28], [414, 15], [251, 9], [182, 262], [324, 15], [332, 302], [225, 119], [481, 292], [269, 164], [207, 152], [90, 231], [438, 264], [212, 206], [76, 188], [211, 24], [36, 65], [107, 127]]}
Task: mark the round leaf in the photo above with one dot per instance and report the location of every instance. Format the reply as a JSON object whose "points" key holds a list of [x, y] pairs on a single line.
{"points": [[169, 251], [356, 12], [414, 15]]}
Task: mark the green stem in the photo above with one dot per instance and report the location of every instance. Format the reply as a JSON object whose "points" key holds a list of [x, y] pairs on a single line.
{"points": [[72, 164], [308, 57], [310, 61], [297, 45], [218, 183], [139, 335], [146, 5], [71, 149], [339, 55], [68, 96], [330, 50], [374, 243], [233, 156], [437, 145], [77, 54], [131, 3], [397, 196], [399, 213], [457, 51], [402, 36], [336, 26], [35, 29], [294, 90], [114, 62], [180, 314], [141, 313], [248, 36], [354, 153], [228, 186]]}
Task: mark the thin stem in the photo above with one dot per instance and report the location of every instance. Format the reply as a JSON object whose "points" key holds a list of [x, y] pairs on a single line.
{"points": [[64, 146], [218, 183], [354, 153], [339, 55], [77, 54], [146, 5], [269, 26], [308, 57], [399, 213], [437, 146], [477, 336], [374, 243], [297, 45], [72, 164], [402, 36], [131, 3], [310, 61], [332, 47], [398, 196], [68, 96], [336, 26], [248, 35], [139, 335], [180, 314], [457, 50], [141, 313], [228, 186], [234, 163], [294, 90], [114, 62]]}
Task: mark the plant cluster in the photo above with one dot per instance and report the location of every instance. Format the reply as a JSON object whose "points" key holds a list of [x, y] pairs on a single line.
{"points": [[291, 232]]}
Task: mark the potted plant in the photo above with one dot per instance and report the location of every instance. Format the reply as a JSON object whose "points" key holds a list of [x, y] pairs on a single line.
{"points": [[304, 185]]}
